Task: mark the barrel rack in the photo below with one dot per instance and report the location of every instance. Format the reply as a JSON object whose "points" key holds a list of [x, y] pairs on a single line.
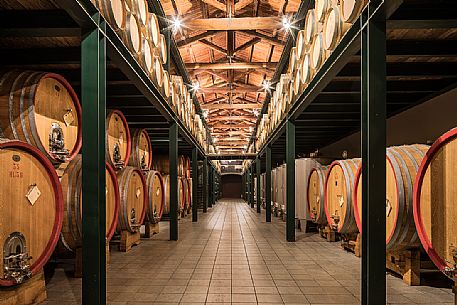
{"points": [[366, 79], [74, 40]]}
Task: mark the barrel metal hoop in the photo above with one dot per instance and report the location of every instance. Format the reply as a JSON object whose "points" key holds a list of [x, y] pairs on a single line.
{"points": [[31, 112]]}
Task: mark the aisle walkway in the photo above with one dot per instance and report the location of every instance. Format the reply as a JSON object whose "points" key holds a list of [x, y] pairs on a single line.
{"points": [[232, 256]]}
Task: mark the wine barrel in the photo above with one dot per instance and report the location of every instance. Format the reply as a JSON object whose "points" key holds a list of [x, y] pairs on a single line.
{"points": [[71, 182], [351, 9], [292, 60], [147, 56], [156, 196], [114, 11], [31, 210], [295, 88], [317, 52], [322, 7], [189, 194], [315, 194], [434, 204], [153, 29], [187, 167], [163, 48], [310, 27], [300, 45], [166, 190], [158, 68], [118, 142], [133, 199], [181, 164], [166, 84], [334, 28], [185, 195], [306, 72], [132, 33], [43, 110], [339, 184], [141, 11], [402, 163], [141, 156]]}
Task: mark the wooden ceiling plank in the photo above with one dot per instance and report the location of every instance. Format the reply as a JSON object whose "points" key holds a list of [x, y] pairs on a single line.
{"points": [[233, 65], [235, 24], [231, 106], [248, 44], [216, 4]]}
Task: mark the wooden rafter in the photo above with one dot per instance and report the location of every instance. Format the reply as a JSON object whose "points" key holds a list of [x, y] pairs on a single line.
{"points": [[242, 4], [217, 4], [213, 46], [234, 24], [234, 126], [194, 39], [269, 39], [248, 44], [231, 106], [232, 117], [233, 65]]}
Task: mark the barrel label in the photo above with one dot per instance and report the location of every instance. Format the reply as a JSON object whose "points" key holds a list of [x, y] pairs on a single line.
{"points": [[68, 118], [138, 192], [33, 194]]}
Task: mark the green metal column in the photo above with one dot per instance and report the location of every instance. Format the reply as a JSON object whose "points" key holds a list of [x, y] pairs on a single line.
{"points": [[205, 185], [210, 186], [93, 92], [173, 156], [257, 164], [248, 186], [194, 184], [290, 181], [268, 184], [251, 186], [214, 186], [373, 127]]}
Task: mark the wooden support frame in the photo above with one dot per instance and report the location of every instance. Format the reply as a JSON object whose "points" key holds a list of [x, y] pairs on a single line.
{"points": [[373, 139], [234, 24], [93, 92]]}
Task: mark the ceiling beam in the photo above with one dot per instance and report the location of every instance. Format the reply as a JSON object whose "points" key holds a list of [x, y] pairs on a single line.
{"points": [[213, 46], [231, 117], [231, 106], [232, 126], [233, 65], [269, 39], [242, 4], [216, 4], [234, 24], [195, 38], [421, 24], [246, 45], [226, 90]]}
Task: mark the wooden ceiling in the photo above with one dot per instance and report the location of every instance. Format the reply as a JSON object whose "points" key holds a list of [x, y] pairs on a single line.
{"points": [[230, 47]]}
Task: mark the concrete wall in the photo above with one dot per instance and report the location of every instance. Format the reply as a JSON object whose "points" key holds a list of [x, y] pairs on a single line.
{"points": [[421, 124]]}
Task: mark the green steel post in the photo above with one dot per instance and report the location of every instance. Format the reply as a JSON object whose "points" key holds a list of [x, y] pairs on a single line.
{"points": [[251, 185], [210, 186], [268, 184], [257, 163], [373, 126], [173, 157], [290, 181], [205, 185], [93, 92], [194, 184]]}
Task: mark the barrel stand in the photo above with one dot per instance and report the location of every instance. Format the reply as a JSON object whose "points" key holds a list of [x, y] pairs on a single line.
{"points": [[329, 234], [407, 264], [150, 229], [128, 240], [352, 243], [33, 291]]}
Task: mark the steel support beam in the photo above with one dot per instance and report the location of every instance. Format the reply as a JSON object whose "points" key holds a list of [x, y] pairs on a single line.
{"points": [[194, 184], [93, 92], [173, 157], [373, 138], [290, 181], [268, 184], [205, 185], [251, 184], [257, 165]]}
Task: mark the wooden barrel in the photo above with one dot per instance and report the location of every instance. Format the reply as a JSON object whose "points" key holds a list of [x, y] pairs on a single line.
{"points": [[158, 68], [322, 7], [43, 110], [339, 184], [181, 165], [317, 52], [187, 167], [132, 33], [31, 211], [310, 27], [141, 11], [118, 141], [315, 194], [184, 196], [166, 84], [351, 9], [156, 196], [434, 204], [334, 28], [300, 45], [295, 88], [402, 163], [71, 182], [141, 156], [292, 60], [163, 48], [147, 56], [114, 11], [153, 29], [189, 194], [133, 199], [306, 72], [166, 188]]}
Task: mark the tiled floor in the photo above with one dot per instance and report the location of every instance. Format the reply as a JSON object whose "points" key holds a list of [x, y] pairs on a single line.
{"points": [[232, 256]]}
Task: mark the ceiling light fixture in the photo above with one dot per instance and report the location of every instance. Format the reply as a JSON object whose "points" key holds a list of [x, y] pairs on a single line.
{"points": [[176, 24], [195, 86], [266, 85]]}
